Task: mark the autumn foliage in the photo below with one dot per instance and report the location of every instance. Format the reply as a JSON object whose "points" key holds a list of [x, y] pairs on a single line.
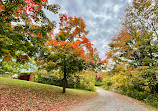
{"points": [[23, 95], [132, 57], [70, 50], [72, 35], [24, 27]]}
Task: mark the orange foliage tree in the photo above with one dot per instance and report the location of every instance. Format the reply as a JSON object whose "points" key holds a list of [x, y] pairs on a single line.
{"points": [[70, 51], [73, 30]]}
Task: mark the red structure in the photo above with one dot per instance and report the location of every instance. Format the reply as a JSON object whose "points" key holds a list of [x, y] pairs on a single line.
{"points": [[27, 77]]}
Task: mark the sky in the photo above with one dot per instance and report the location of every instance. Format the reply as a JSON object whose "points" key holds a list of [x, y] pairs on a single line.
{"points": [[102, 18]]}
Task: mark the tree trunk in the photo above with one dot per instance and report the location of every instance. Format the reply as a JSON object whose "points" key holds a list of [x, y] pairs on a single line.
{"points": [[64, 82], [64, 79]]}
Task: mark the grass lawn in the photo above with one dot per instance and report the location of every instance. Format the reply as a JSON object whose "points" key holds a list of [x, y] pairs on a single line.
{"points": [[24, 95]]}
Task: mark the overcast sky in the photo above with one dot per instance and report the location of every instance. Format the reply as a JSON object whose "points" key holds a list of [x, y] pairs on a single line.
{"points": [[102, 18]]}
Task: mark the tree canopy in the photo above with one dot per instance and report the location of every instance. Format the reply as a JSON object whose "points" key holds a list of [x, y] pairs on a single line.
{"points": [[70, 50], [24, 27], [134, 50]]}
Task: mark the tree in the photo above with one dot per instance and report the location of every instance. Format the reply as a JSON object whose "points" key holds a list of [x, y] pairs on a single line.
{"points": [[135, 47], [135, 51], [24, 27], [142, 16], [13, 67], [73, 29], [136, 42], [9, 67], [70, 51], [69, 59]]}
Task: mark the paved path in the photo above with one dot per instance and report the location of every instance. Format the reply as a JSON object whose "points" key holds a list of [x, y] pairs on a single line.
{"points": [[108, 101]]}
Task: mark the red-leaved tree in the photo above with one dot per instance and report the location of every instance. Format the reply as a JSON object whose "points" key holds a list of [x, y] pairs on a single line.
{"points": [[70, 50]]}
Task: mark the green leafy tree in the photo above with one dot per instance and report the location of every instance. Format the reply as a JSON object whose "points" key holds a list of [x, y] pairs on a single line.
{"points": [[134, 49], [142, 16], [10, 67], [136, 44], [24, 27]]}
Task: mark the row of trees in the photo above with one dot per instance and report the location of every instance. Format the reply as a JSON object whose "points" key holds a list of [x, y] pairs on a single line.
{"points": [[26, 33], [135, 51], [137, 42]]}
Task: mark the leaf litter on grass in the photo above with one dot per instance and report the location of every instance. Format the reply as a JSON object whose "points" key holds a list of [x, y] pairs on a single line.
{"points": [[19, 95]]}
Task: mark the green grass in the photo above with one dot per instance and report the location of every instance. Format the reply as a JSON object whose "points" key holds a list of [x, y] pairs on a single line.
{"points": [[26, 95]]}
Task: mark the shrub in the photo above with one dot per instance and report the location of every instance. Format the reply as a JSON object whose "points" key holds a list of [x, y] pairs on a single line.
{"points": [[152, 100], [98, 80], [107, 83], [73, 82], [98, 83], [53, 80], [87, 81], [139, 83]]}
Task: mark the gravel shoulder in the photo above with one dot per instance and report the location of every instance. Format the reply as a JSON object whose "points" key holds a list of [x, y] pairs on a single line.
{"points": [[109, 101]]}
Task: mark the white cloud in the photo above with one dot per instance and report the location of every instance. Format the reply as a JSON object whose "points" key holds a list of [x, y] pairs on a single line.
{"points": [[129, 1], [94, 42], [101, 17], [117, 8]]}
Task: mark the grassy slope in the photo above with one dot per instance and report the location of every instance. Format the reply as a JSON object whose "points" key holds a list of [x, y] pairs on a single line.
{"points": [[25, 95]]}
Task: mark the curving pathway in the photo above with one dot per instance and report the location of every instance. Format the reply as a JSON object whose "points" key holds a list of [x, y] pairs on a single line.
{"points": [[108, 101]]}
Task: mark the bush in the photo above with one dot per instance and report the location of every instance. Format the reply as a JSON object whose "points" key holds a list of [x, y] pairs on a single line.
{"points": [[87, 81], [98, 83], [107, 83], [152, 100], [73, 82], [53, 80], [98, 80], [141, 84]]}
